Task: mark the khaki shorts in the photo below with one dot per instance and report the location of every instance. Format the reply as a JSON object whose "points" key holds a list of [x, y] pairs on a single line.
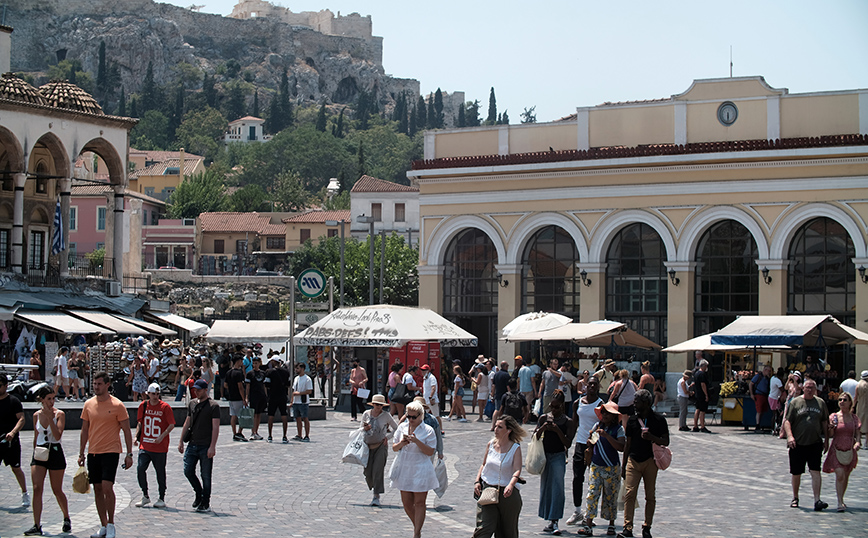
{"points": [[435, 408]]}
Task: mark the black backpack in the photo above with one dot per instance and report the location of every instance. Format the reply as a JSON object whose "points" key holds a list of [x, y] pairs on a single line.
{"points": [[512, 405]]}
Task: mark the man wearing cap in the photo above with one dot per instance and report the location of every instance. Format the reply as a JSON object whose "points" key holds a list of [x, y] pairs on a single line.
{"points": [[526, 380], [61, 371], [155, 420], [302, 390], [605, 376], [860, 403], [701, 392], [200, 431], [430, 392], [153, 366]]}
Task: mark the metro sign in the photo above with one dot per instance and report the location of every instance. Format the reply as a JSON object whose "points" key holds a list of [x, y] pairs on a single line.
{"points": [[311, 283]]}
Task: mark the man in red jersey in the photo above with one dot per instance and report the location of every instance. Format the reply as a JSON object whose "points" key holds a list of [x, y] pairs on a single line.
{"points": [[155, 420]]}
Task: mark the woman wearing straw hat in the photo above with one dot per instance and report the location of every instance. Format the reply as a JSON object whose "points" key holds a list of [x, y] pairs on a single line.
{"points": [[605, 474], [377, 425]]}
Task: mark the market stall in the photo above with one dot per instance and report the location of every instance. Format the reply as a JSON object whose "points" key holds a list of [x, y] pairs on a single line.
{"points": [[273, 335], [187, 328]]}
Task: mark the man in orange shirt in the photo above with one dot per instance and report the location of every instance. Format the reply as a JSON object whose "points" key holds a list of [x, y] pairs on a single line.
{"points": [[102, 419]]}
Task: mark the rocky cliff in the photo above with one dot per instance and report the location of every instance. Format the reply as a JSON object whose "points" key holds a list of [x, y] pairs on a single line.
{"points": [[136, 32]]}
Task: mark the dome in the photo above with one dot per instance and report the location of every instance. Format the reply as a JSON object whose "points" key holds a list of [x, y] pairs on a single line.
{"points": [[15, 89], [62, 94]]}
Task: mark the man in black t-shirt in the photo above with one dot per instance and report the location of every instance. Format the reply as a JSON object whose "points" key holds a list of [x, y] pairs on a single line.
{"points": [[643, 429], [701, 390], [513, 404], [277, 383], [200, 430], [11, 422], [234, 386], [224, 363], [257, 400]]}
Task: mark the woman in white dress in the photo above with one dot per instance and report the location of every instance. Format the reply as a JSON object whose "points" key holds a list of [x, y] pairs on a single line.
{"points": [[412, 471]]}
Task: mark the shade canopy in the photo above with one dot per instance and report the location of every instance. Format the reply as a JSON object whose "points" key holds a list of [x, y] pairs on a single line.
{"points": [[59, 322], [193, 327], [383, 326], [596, 333], [811, 331], [243, 332], [534, 321], [107, 320], [153, 328], [703, 343]]}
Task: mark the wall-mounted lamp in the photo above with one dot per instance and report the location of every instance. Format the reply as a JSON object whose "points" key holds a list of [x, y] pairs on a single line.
{"points": [[862, 274], [675, 280], [585, 280], [503, 282], [766, 278]]}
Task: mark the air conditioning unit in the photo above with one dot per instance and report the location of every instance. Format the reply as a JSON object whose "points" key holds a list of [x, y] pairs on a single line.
{"points": [[189, 222], [112, 288]]}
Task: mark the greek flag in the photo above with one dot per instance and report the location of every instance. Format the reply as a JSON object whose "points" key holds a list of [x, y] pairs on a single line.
{"points": [[57, 244]]}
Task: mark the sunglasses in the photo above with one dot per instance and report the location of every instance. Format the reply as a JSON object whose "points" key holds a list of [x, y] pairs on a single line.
{"points": [[843, 399], [413, 416]]}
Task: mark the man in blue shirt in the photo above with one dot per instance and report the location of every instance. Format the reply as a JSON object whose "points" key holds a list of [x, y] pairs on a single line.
{"points": [[759, 391], [526, 380]]}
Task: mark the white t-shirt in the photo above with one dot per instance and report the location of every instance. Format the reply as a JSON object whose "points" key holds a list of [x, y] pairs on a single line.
{"points": [[301, 384], [850, 386], [587, 419], [683, 386], [429, 383], [566, 384], [409, 380], [775, 388], [62, 366], [153, 369]]}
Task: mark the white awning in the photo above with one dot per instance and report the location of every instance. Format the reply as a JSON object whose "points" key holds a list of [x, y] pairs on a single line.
{"points": [[8, 312], [242, 332], [107, 320], [193, 327], [151, 327], [59, 322]]}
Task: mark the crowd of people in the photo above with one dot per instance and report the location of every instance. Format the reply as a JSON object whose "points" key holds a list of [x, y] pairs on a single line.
{"points": [[608, 419]]}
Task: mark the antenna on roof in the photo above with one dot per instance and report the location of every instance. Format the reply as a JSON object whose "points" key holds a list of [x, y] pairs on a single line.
{"points": [[730, 61]]}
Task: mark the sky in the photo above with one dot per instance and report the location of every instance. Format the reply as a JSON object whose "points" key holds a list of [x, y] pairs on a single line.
{"points": [[575, 53]]}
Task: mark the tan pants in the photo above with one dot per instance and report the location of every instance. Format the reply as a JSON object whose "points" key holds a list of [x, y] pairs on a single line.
{"points": [[647, 472]]}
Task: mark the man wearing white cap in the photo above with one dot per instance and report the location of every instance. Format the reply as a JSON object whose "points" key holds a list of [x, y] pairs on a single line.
{"points": [[155, 420], [861, 406]]}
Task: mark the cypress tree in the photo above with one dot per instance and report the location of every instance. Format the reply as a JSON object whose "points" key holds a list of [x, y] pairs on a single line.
{"points": [[122, 103], [461, 121], [149, 90], [285, 103], [361, 160], [177, 114], [134, 113], [432, 114], [472, 116], [440, 120], [403, 125], [101, 71], [421, 113], [321, 119], [492, 109], [412, 127], [256, 103], [339, 128], [504, 119], [208, 91]]}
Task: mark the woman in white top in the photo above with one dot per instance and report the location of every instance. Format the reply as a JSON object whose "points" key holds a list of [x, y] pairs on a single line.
{"points": [[625, 392], [482, 390], [501, 468], [49, 424], [412, 471], [683, 399]]}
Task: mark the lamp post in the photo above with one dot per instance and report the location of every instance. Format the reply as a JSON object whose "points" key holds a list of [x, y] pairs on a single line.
{"points": [[370, 221], [341, 223]]}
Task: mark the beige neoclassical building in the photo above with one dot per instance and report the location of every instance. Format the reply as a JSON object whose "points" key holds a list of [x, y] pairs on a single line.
{"points": [[674, 215]]}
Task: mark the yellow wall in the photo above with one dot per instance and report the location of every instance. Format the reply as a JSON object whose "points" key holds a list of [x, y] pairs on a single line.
{"points": [[819, 115], [540, 137], [317, 230], [631, 126], [724, 89], [467, 143], [703, 125]]}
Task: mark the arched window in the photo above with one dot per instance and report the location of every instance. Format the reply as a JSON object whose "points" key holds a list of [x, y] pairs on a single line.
{"points": [[822, 280], [727, 282], [470, 286], [551, 282], [636, 282]]}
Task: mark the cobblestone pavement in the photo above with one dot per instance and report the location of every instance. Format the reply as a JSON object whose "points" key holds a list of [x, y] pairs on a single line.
{"points": [[730, 483]]}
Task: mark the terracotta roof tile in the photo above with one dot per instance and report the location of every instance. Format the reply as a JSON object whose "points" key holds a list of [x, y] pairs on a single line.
{"points": [[62, 94], [160, 155], [321, 216], [15, 89], [621, 152], [273, 229], [94, 189], [246, 118], [159, 169], [372, 184]]}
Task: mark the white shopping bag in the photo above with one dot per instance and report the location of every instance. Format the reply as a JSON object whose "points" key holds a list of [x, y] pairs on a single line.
{"points": [[356, 450], [440, 469]]}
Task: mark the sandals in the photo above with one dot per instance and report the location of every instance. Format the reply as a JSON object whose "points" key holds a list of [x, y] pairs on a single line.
{"points": [[611, 530], [585, 531], [794, 503]]}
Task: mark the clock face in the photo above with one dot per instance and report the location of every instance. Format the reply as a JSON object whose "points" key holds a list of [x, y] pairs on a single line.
{"points": [[727, 113]]}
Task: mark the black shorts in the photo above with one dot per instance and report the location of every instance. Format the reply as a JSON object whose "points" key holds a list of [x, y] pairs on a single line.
{"points": [[10, 453], [56, 459], [258, 406], [802, 454], [102, 467], [276, 404], [701, 405], [628, 410]]}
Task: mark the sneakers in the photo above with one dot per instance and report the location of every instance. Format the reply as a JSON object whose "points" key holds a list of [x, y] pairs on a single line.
{"points": [[646, 531], [204, 508], [239, 437], [463, 420], [100, 533], [25, 500], [626, 533], [144, 502], [306, 439], [375, 501], [576, 518], [684, 429], [256, 437], [285, 440], [110, 530], [160, 503], [197, 501], [552, 528], [449, 419], [704, 430], [35, 530], [270, 439], [819, 506], [67, 525], [695, 429], [297, 438]]}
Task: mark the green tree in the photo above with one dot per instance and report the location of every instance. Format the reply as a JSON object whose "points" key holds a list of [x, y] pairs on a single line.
{"points": [[492, 109], [187, 75], [235, 106], [401, 281], [101, 70], [72, 71], [421, 114], [413, 125], [202, 193], [150, 94], [432, 113], [256, 104], [134, 104], [289, 192], [462, 122], [388, 154], [209, 91], [150, 132], [529, 115], [337, 202], [248, 198], [504, 120], [200, 130], [338, 128], [122, 103], [177, 114], [280, 110], [361, 156], [321, 118], [472, 115], [439, 117]]}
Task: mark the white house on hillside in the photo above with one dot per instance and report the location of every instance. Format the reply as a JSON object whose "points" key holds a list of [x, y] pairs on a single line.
{"points": [[246, 129]]}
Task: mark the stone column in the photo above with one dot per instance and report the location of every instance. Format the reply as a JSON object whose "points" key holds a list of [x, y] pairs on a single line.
{"points": [[593, 293], [118, 246], [431, 287], [63, 258], [508, 307], [679, 316], [861, 314], [133, 258], [109, 233], [18, 223], [773, 295]]}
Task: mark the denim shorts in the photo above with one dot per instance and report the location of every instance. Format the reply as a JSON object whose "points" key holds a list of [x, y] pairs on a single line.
{"points": [[300, 410]]}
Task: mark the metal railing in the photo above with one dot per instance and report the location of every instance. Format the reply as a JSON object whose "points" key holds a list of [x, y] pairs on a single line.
{"points": [[136, 283], [82, 266], [43, 276]]}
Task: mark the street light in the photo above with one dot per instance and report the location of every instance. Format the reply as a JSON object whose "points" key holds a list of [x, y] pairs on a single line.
{"points": [[362, 219], [341, 223]]}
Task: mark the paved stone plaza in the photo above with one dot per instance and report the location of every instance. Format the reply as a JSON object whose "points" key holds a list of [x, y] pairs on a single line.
{"points": [[731, 483]]}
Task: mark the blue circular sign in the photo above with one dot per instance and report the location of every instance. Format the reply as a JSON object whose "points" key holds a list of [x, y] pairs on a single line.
{"points": [[311, 283]]}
